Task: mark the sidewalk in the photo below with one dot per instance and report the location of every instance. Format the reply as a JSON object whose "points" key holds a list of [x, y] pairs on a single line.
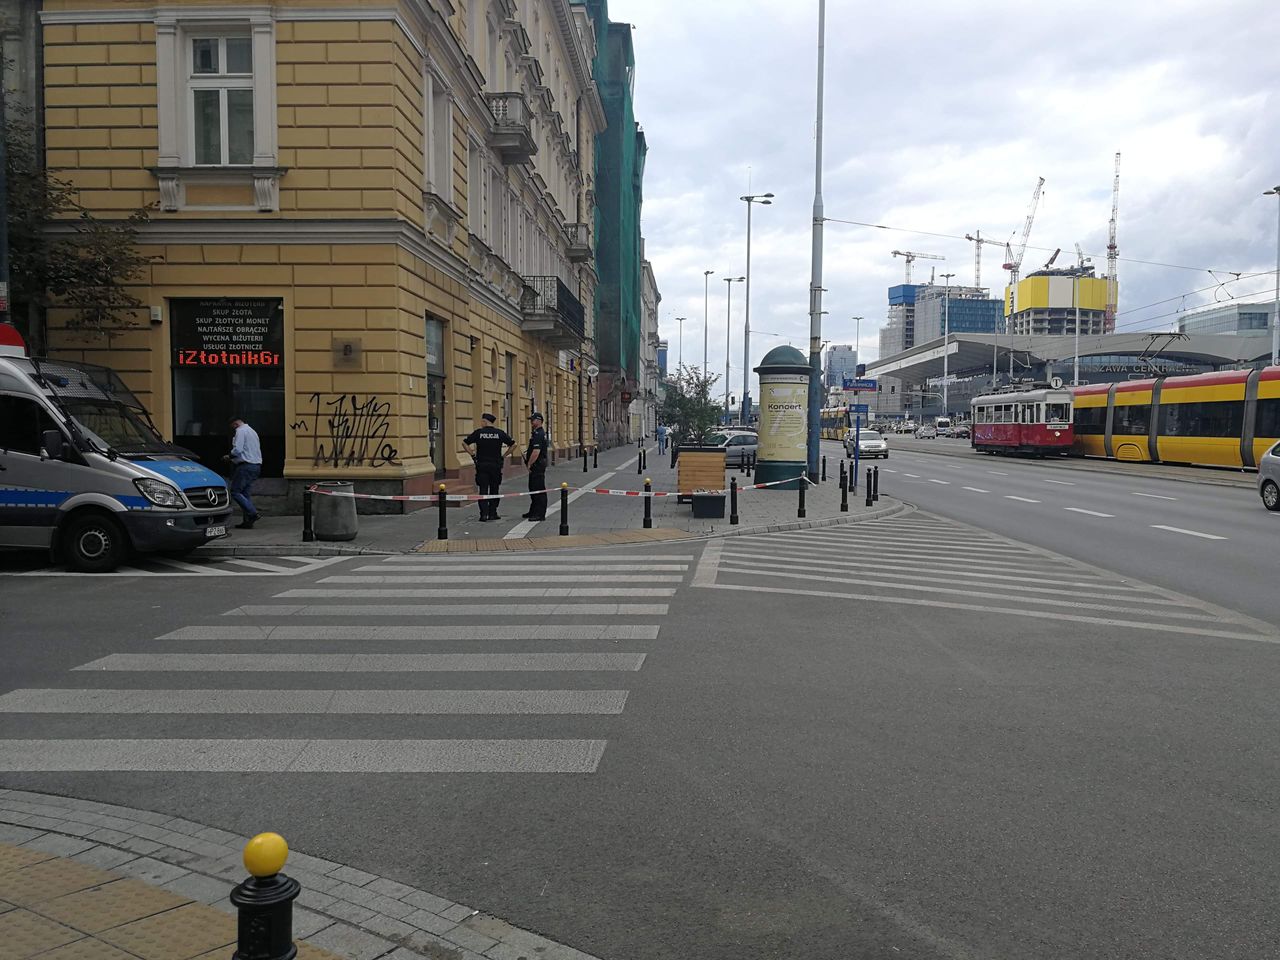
{"points": [[81, 880], [594, 519]]}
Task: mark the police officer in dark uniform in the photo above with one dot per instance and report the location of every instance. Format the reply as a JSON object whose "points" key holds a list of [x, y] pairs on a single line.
{"points": [[485, 445], [535, 458]]}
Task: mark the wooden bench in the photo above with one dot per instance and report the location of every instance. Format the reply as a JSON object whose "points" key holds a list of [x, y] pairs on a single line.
{"points": [[698, 470]]}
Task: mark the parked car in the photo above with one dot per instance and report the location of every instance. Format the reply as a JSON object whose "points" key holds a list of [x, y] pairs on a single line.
{"points": [[926, 432], [737, 446], [1269, 478], [961, 431], [870, 443]]}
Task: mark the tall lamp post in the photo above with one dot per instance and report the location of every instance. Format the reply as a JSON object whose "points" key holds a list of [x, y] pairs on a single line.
{"points": [[1275, 307], [946, 333], [815, 270], [728, 335], [744, 410], [680, 344], [706, 295]]}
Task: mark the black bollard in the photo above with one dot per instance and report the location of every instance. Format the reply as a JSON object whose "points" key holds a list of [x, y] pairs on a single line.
{"points": [[843, 473], [648, 504], [751, 462], [564, 509], [584, 459], [869, 501], [442, 531], [824, 468], [673, 456], [733, 501], [595, 456], [308, 534], [875, 485], [264, 903], [640, 462], [844, 492], [800, 509]]}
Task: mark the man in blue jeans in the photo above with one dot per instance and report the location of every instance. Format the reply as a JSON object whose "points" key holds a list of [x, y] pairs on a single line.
{"points": [[246, 457]]}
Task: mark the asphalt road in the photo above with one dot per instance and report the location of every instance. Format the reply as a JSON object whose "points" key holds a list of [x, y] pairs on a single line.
{"points": [[905, 738], [1213, 539]]}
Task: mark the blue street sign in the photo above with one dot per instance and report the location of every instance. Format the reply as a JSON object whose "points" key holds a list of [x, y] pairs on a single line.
{"points": [[859, 383], [859, 408]]}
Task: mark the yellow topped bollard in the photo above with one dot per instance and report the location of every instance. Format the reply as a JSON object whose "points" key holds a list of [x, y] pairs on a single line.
{"points": [[442, 530], [264, 902], [265, 854]]}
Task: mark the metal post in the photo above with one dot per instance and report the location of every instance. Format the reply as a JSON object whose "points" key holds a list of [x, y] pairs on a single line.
{"points": [[1075, 298], [595, 456], [442, 531], [744, 414], [673, 456], [824, 468], [648, 504], [844, 489], [4, 203], [733, 501], [264, 902], [584, 459], [946, 337], [804, 482], [857, 436], [815, 277], [640, 462], [706, 323], [1275, 307], [564, 509], [308, 534], [875, 484], [751, 465], [869, 500]]}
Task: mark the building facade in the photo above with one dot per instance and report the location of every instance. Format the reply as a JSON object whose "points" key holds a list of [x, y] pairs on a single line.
{"points": [[369, 224], [841, 363], [1045, 303], [958, 309], [1233, 317], [644, 420]]}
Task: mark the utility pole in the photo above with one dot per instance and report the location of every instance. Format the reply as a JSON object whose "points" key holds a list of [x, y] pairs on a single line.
{"points": [[680, 344], [1275, 306], [745, 406], [815, 279], [4, 198], [728, 336]]}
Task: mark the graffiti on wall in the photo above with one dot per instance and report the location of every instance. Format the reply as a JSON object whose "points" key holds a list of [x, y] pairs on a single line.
{"points": [[349, 430]]}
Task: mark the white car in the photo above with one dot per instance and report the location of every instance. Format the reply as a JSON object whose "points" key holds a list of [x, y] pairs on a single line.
{"points": [[870, 443], [926, 432], [1269, 478]]}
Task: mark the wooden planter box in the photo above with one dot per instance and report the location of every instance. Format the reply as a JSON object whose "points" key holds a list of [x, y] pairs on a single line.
{"points": [[698, 468]]}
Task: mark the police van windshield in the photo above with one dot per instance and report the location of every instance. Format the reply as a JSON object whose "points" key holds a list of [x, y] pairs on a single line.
{"points": [[112, 426]]}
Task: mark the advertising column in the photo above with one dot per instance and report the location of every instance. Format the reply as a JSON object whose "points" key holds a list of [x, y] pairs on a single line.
{"points": [[784, 397]]}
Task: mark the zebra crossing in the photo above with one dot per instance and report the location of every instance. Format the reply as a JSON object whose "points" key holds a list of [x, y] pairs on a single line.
{"points": [[538, 676], [194, 566], [921, 560]]}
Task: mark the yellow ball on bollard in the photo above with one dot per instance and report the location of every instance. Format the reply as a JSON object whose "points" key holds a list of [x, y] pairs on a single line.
{"points": [[265, 854]]}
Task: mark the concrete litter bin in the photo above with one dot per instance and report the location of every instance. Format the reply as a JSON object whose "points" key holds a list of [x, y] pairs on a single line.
{"points": [[334, 518]]}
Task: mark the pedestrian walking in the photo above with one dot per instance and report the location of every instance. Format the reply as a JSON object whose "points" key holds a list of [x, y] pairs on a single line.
{"points": [[246, 459], [488, 447], [535, 458], [662, 439]]}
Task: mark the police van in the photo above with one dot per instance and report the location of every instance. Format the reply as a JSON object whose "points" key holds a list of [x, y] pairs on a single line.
{"points": [[84, 473]]}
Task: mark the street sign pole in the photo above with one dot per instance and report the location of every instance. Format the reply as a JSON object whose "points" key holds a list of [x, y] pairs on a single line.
{"points": [[857, 434]]}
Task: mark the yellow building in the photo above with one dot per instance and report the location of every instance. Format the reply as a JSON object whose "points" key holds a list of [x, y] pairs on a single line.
{"points": [[371, 222], [1044, 303]]}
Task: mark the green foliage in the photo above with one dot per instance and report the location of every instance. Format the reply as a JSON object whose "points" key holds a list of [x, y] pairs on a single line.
{"points": [[688, 405], [59, 253]]}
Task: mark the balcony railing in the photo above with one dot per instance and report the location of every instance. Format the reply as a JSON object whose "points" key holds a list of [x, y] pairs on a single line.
{"points": [[511, 134], [579, 242], [551, 311]]}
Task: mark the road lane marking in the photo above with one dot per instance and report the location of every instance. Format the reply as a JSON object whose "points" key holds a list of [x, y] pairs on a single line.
{"points": [[1065, 483], [1189, 533], [999, 473], [527, 631], [946, 482], [457, 560], [913, 476], [427, 593], [492, 578], [1022, 499], [304, 756], [1092, 513], [1151, 496], [528, 571], [364, 662], [451, 610], [977, 489]]}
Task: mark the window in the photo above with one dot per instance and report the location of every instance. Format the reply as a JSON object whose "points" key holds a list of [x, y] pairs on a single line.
{"points": [[1057, 412], [22, 420], [438, 107], [220, 83], [1219, 418], [475, 191], [1268, 422], [1133, 420], [1091, 421]]}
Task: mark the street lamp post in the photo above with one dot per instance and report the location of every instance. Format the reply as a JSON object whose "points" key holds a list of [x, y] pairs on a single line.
{"points": [[743, 409], [946, 334], [1075, 300], [728, 335], [815, 268], [857, 343], [680, 344], [706, 294], [1275, 306]]}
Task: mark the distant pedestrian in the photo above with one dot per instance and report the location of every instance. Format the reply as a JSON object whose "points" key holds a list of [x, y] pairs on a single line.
{"points": [[246, 458], [535, 458], [488, 447], [662, 439]]}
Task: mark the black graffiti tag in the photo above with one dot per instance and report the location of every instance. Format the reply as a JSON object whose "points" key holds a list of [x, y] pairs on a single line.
{"points": [[354, 432]]}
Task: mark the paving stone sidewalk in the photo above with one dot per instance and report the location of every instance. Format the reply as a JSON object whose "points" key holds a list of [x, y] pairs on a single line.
{"points": [[81, 880]]}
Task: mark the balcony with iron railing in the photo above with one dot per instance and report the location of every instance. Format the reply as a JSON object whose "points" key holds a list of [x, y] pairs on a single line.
{"points": [[579, 242], [511, 134], [550, 310]]}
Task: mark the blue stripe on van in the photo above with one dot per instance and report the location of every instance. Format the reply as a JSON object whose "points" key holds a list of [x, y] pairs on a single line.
{"points": [[22, 497]]}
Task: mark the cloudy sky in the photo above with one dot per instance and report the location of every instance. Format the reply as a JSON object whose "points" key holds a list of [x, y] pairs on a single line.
{"points": [[939, 118]]}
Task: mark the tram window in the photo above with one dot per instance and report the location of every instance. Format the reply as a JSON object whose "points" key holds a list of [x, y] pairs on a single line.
{"points": [[1091, 421], [1056, 412], [1268, 424], [1217, 418], [1134, 419]]}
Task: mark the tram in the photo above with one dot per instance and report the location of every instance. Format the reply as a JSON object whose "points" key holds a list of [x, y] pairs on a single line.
{"points": [[834, 422], [1226, 418], [1035, 420]]}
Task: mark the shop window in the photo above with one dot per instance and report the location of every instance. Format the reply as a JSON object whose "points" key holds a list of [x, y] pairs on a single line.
{"points": [[435, 391]]}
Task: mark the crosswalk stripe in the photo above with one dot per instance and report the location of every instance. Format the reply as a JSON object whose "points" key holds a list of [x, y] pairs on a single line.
{"points": [[303, 756], [253, 564], [908, 539], [907, 542], [365, 662], [562, 568], [405, 702], [182, 565], [453, 610], [508, 578], [538, 559], [1010, 564], [530, 631], [484, 592]]}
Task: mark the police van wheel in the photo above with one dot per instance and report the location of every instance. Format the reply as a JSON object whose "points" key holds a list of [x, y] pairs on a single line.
{"points": [[93, 543]]}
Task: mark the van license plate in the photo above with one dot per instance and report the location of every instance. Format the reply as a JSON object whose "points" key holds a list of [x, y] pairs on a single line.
{"points": [[215, 531]]}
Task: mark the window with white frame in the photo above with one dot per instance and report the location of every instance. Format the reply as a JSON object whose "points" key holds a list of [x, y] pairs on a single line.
{"points": [[475, 191], [220, 100], [438, 107]]}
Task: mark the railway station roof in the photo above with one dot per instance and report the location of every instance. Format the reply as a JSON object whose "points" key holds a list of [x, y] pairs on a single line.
{"points": [[970, 354]]}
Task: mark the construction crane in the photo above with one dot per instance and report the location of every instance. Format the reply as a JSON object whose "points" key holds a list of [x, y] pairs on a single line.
{"points": [[911, 257], [1053, 258], [1080, 258], [1113, 254], [978, 240], [1014, 263]]}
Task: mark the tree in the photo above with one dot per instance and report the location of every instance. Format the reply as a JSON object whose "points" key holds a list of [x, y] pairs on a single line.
{"points": [[60, 254], [688, 405]]}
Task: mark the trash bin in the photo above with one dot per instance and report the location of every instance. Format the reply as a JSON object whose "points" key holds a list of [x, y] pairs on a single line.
{"points": [[334, 518]]}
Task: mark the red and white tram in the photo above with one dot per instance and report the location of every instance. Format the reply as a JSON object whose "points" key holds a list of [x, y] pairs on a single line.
{"points": [[1023, 420]]}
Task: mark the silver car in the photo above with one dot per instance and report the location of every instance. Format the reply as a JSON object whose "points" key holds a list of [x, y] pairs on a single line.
{"points": [[738, 446], [870, 443], [1269, 478]]}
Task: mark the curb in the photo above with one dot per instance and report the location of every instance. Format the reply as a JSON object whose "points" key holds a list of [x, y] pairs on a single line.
{"points": [[540, 544], [348, 912]]}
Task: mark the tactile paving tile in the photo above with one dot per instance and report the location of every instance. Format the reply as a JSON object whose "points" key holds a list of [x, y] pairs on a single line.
{"points": [[110, 905], [23, 934], [12, 858], [175, 934], [91, 949], [50, 879]]}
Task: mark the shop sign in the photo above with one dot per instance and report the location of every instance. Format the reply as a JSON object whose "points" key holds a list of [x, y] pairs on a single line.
{"points": [[224, 332]]}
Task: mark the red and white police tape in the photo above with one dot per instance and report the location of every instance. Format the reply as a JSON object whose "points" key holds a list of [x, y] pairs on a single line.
{"points": [[468, 497]]}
